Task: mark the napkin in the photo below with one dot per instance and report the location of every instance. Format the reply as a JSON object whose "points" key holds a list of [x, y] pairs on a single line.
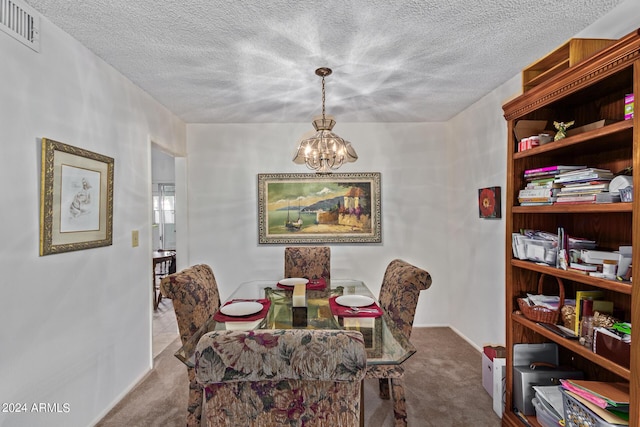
{"points": [[266, 303], [312, 285], [372, 310]]}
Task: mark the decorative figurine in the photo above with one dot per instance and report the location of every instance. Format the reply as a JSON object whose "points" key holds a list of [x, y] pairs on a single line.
{"points": [[562, 129]]}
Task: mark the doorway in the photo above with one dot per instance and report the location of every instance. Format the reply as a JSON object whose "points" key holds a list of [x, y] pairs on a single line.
{"points": [[164, 217], [164, 237]]}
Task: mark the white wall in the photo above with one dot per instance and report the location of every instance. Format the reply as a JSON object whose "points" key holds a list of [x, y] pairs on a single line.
{"points": [[224, 161], [74, 327], [477, 159]]}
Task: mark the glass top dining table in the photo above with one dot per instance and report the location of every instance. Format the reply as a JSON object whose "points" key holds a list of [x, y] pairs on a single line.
{"points": [[384, 343]]}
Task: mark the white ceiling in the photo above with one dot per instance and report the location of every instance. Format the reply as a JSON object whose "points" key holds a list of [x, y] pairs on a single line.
{"points": [[242, 61]]}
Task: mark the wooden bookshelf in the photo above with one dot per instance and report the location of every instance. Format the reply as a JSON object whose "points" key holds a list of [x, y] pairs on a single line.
{"points": [[590, 90]]}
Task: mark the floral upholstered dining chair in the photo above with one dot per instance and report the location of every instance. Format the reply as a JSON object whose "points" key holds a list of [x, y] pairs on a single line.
{"points": [[312, 262], [398, 297], [277, 377], [195, 297]]}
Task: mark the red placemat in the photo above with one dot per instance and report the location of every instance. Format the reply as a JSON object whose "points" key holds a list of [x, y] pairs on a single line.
{"points": [[312, 285], [266, 303], [372, 310]]}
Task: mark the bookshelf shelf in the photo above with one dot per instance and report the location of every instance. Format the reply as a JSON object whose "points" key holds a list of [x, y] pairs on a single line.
{"points": [[613, 134], [588, 92], [569, 209], [573, 346], [611, 285]]}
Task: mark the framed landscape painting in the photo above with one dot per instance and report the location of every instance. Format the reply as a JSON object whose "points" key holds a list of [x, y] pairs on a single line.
{"points": [[76, 199], [312, 208]]}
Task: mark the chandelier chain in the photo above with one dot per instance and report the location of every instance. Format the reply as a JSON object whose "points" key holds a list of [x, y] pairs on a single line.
{"points": [[323, 96]]}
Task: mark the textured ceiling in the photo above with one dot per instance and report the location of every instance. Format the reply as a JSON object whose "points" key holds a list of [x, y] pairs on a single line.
{"points": [[212, 61]]}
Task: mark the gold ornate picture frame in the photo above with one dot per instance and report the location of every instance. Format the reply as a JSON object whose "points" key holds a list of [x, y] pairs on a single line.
{"points": [[76, 199], [312, 208]]}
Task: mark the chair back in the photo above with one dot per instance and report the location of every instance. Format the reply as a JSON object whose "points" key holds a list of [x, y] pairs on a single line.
{"points": [[400, 290], [297, 377], [312, 262], [195, 297]]}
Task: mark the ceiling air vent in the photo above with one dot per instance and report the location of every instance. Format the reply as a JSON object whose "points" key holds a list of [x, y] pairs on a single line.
{"points": [[21, 22]]}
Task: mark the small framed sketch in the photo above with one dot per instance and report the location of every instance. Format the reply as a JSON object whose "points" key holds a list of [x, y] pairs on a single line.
{"points": [[76, 199], [489, 202]]}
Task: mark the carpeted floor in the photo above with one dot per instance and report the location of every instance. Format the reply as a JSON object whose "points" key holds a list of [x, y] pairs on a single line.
{"points": [[443, 387]]}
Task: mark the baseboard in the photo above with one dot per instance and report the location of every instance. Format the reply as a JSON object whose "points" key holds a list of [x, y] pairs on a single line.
{"points": [[121, 396], [471, 343]]}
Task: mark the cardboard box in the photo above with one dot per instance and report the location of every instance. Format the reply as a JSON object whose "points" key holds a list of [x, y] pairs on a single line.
{"points": [[613, 349], [487, 374], [597, 257], [590, 126], [499, 376], [490, 355], [527, 128], [628, 106]]}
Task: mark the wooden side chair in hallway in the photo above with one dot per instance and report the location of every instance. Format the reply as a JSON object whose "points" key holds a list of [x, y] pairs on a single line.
{"points": [[195, 297], [312, 262], [164, 263], [401, 287], [278, 377]]}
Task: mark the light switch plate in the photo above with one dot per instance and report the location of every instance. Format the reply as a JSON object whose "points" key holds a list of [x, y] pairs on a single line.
{"points": [[134, 238]]}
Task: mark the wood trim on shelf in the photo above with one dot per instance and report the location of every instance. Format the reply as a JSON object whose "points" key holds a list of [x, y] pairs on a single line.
{"points": [[601, 65]]}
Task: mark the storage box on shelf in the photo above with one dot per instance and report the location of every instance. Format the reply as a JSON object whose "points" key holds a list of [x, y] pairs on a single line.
{"points": [[588, 92], [565, 56]]}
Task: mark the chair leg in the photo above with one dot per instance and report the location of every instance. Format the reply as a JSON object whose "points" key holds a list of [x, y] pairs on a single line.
{"points": [[362, 403], [195, 403], [384, 388], [399, 403]]}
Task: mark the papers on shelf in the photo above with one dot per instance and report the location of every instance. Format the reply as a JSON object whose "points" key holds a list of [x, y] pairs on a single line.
{"points": [[518, 245], [604, 394], [549, 301]]}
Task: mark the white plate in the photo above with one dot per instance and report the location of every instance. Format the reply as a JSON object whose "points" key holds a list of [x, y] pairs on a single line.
{"points": [[354, 300], [241, 308], [292, 281]]}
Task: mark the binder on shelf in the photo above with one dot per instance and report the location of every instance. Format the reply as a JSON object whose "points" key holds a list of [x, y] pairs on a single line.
{"points": [[581, 296]]}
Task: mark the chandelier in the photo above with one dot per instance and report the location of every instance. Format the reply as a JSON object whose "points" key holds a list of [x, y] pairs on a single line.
{"points": [[324, 151]]}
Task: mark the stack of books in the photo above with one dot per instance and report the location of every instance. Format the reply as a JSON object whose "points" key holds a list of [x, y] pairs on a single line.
{"points": [[582, 185], [541, 188]]}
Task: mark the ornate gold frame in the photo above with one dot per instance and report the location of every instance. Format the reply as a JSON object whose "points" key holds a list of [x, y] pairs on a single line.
{"points": [[332, 219], [64, 167]]}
